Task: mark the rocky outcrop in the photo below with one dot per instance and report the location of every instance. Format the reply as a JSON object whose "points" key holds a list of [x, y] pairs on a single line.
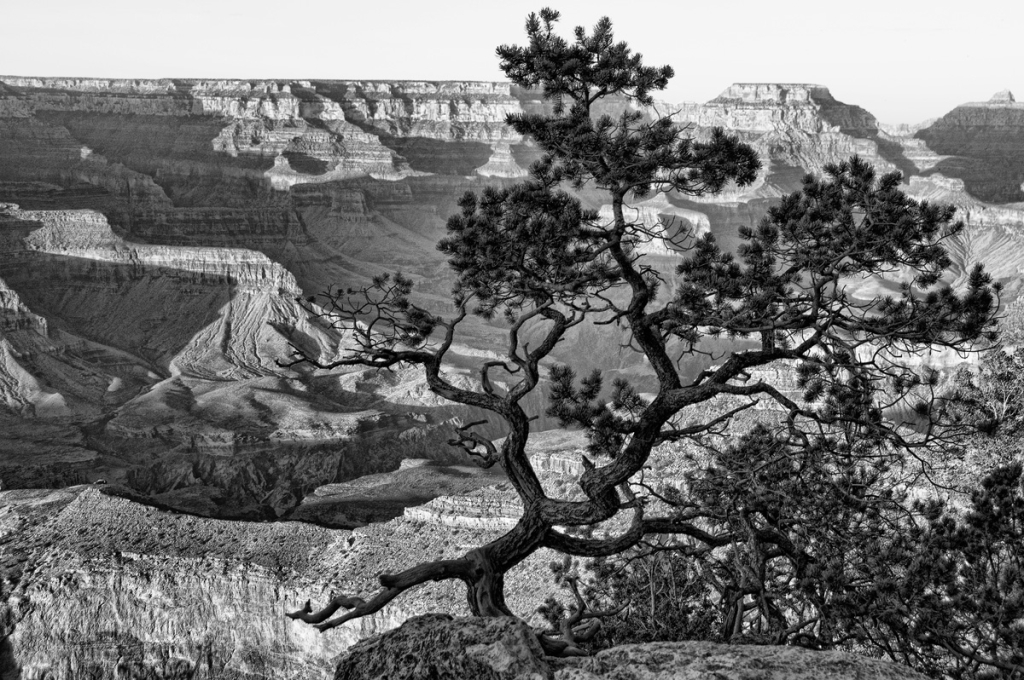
{"points": [[700, 660], [793, 125], [46, 372], [15, 316], [501, 163], [771, 107], [438, 646], [71, 265], [19, 390], [1002, 98], [440, 109], [333, 150]]}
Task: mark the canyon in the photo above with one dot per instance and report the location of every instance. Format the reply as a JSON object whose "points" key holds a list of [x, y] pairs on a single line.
{"points": [[157, 239]]}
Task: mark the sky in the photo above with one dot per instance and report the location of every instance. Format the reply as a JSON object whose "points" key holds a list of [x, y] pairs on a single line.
{"points": [[903, 60]]}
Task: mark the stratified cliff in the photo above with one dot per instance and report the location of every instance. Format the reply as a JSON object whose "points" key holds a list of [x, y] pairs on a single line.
{"points": [[292, 131], [72, 267], [102, 587], [796, 128], [984, 142]]}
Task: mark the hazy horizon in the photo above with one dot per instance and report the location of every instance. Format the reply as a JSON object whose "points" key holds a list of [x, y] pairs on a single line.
{"points": [[904, 63]]}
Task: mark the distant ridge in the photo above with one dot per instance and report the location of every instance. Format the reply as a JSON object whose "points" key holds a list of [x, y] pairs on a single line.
{"points": [[1003, 99]]}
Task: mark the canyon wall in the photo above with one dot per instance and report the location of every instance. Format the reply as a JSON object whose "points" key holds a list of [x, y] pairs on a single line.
{"points": [[103, 587], [165, 228], [793, 126], [155, 239], [159, 367], [983, 144], [309, 131]]}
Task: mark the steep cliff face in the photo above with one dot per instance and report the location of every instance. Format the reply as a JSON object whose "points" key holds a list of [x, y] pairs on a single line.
{"points": [[103, 587], [984, 145], [211, 151], [147, 300], [291, 132], [47, 371], [436, 110], [24, 346]]}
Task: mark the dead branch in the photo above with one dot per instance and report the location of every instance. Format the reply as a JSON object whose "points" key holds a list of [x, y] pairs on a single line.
{"points": [[469, 441], [393, 586]]}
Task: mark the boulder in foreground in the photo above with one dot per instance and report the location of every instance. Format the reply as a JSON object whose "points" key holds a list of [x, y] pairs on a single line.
{"points": [[435, 646]]}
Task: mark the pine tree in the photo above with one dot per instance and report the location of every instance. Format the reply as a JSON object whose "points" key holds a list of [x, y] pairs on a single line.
{"points": [[532, 255]]}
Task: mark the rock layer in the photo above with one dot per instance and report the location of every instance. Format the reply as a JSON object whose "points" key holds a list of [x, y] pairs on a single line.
{"points": [[316, 131]]}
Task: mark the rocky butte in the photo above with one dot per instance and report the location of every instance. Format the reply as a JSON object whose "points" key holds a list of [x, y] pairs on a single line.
{"points": [[154, 237]]}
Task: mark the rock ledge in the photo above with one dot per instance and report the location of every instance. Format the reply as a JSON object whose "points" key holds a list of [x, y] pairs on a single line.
{"points": [[439, 646]]}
